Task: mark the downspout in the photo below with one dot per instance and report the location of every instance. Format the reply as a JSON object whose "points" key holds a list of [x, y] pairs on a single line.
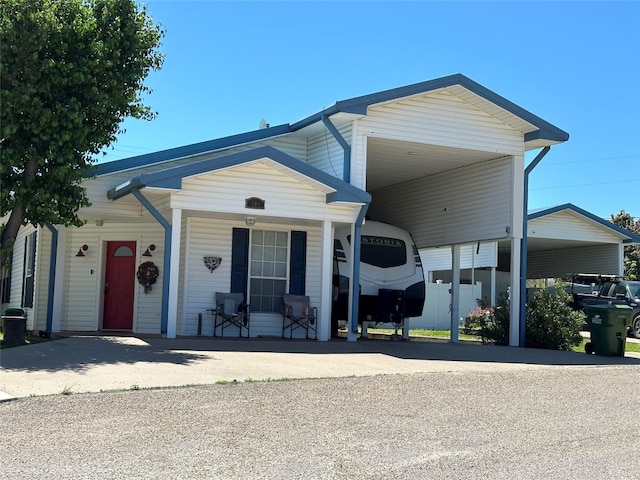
{"points": [[523, 246], [346, 165], [53, 258], [167, 256], [355, 279]]}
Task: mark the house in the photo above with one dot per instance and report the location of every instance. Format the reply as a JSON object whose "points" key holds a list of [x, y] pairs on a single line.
{"points": [[443, 159]]}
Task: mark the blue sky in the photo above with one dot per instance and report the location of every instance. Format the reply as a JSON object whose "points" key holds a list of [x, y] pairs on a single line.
{"points": [[574, 64]]}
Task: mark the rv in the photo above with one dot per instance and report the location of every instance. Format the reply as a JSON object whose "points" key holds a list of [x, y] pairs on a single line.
{"points": [[391, 276]]}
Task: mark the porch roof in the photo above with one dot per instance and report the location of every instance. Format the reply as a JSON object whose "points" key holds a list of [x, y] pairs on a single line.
{"points": [[171, 178]]}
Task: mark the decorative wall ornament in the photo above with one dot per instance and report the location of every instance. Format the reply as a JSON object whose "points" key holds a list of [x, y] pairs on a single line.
{"points": [[147, 275], [212, 262]]}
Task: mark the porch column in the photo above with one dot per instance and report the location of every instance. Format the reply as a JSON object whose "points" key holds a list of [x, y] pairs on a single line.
{"points": [[324, 322], [514, 293], [455, 292], [172, 299], [61, 259]]}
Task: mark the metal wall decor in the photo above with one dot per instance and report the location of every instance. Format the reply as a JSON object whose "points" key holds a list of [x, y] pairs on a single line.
{"points": [[212, 262]]}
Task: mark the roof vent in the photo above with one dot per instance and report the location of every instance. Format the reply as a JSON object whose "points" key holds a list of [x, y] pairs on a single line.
{"points": [[263, 123]]}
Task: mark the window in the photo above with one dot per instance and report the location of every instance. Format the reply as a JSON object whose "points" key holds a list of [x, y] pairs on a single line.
{"points": [[382, 252], [268, 270], [5, 296], [28, 273]]}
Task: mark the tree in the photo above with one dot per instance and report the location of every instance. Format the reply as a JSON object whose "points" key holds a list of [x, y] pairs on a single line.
{"points": [[632, 252], [70, 71]]}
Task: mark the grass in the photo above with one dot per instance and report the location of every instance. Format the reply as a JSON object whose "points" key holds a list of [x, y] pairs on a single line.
{"points": [[29, 339], [445, 334]]}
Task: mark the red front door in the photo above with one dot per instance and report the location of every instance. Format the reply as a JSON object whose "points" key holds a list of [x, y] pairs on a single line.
{"points": [[119, 285]]}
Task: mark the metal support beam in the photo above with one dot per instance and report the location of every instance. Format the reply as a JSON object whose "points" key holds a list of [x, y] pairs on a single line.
{"points": [[166, 273], [346, 165], [523, 246], [53, 258]]}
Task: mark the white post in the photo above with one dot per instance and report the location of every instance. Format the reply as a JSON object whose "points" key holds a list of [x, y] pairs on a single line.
{"points": [[172, 311], [324, 322], [352, 336], [455, 292], [514, 294], [493, 287], [59, 279]]}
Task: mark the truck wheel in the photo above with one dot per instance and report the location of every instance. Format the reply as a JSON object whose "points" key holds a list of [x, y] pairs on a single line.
{"points": [[635, 326], [588, 348]]}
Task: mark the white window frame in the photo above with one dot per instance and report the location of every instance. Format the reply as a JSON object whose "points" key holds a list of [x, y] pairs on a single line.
{"points": [[251, 276]]}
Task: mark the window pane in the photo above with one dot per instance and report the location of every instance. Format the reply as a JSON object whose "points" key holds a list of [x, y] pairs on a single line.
{"points": [[281, 254], [281, 270], [257, 237], [268, 270], [123, 251], [269, 254], [256, 268], [269, 237], [281, 239]]}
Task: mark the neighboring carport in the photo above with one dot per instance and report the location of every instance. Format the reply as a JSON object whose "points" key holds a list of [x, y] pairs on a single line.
{"points": [[565, 240]]}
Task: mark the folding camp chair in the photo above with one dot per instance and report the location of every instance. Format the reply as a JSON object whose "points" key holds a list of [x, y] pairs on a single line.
{"points": [[299, 314], [231, 310]]}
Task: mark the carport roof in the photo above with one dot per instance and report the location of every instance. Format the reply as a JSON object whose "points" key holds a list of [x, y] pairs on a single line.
{"points": [[541, 132], [628, 236], [171, 178]]}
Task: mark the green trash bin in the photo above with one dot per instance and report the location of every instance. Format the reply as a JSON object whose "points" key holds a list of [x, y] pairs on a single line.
{"points": [[608, 327]]}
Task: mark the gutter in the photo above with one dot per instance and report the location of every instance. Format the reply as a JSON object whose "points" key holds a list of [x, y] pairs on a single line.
{"points": [[164, 316], [53, 258], [523, 246]]}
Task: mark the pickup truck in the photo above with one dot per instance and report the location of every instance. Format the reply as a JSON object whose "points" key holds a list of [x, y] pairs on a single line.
{"points": [[612, 289]]}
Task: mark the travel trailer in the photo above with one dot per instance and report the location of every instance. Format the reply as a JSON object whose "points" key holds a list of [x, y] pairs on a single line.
{"points": [[391, 276]]}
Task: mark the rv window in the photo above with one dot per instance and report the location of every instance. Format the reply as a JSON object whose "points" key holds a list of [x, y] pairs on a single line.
{"points": [[383, 252]]}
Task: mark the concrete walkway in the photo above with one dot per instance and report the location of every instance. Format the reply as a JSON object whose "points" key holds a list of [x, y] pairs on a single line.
{"points": [[102, 363]]}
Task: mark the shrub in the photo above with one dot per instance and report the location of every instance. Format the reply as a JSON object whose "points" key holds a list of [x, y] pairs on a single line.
{"points": [[551, 322]]}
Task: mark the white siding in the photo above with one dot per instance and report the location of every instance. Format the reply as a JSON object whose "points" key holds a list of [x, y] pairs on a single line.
{"points": [[41, 287], [226, 191], [326, 154], [559, 263], [97, 188], [84, 276], [569, 226], [470, 257], [17, 272], [441, 118], [460, 206], [211, 237]]}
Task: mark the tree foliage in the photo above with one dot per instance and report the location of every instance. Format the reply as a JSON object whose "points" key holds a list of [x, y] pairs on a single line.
{"points": [[632, 252], [71, 72]]}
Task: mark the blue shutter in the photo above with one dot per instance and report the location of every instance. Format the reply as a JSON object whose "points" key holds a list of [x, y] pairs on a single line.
{"points": [[298, 263], [240, 261]]}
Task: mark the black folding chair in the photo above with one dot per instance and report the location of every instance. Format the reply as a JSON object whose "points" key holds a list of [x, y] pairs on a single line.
{"points": [[299, 314], [231, 310]]}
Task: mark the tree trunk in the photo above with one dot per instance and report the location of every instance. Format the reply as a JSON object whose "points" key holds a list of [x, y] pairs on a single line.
{"points": [[10, 232]]}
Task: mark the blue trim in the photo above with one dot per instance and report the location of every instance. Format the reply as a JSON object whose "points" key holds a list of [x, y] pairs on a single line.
{"points": [[298, 263], [355, 283], [523, 249], [346, 164], [164, 316], [53, 260], [631, 237], [357, 105], [189, 150], [240, 262], [172, 177]]}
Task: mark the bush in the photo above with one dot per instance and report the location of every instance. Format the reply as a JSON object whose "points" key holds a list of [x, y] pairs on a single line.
{"points": [[551, 322]]}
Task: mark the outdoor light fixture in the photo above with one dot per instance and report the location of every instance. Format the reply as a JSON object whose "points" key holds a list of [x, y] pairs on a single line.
{"points": [[249, 221], [81, 250], [147, 252]]}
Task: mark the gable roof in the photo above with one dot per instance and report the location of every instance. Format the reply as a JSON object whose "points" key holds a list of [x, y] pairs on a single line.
{"points": [[542, 132], [171, 178], [631, 237]]}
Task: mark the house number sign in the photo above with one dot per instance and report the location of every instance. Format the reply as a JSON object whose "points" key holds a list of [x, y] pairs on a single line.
{"points": [[254, 202]]}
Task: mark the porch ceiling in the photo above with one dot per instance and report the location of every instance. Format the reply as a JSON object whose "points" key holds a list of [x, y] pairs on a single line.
{"points": [[390, 162]]}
